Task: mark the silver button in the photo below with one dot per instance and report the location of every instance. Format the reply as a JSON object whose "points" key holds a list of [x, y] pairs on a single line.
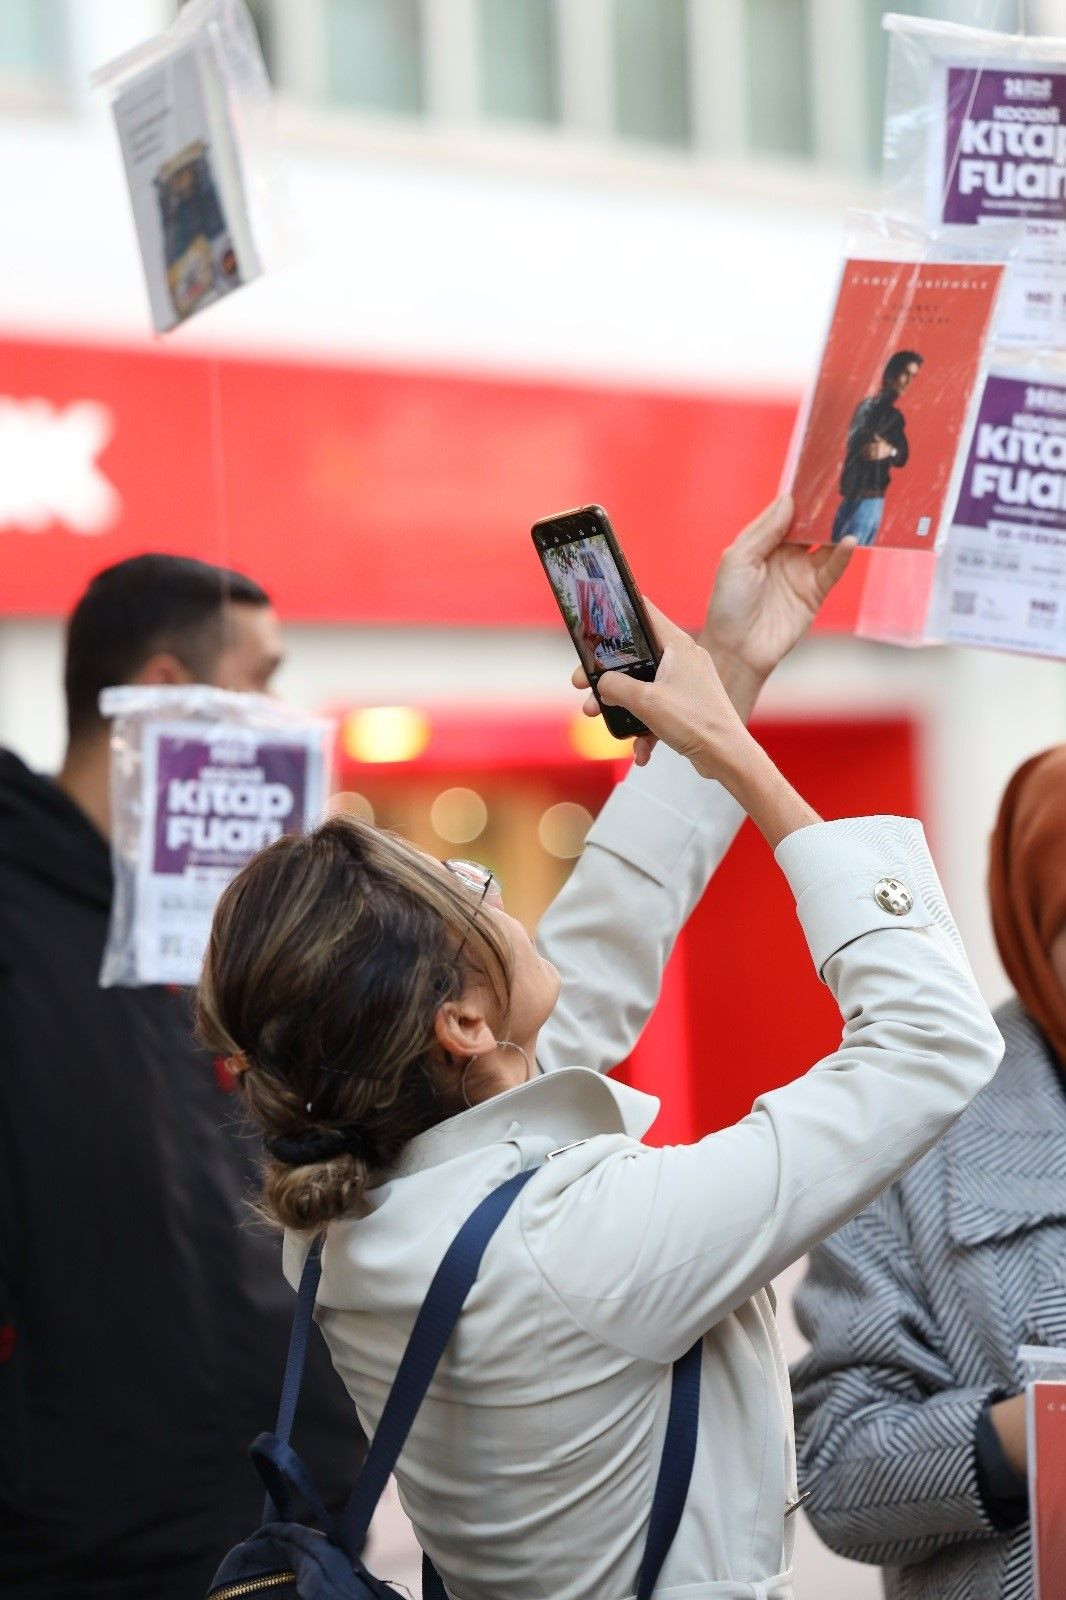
{"points": [[893, 897]]}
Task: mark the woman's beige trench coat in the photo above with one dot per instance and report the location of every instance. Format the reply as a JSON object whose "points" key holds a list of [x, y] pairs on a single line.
{"points": [[529, 1472]]}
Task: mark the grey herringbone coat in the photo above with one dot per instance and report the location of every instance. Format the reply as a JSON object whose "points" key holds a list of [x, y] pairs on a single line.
{"points": [[915, 1311]]}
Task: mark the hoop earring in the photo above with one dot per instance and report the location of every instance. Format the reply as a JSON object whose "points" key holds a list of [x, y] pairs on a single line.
{"points": [[501, 1044], [509, 1044]]}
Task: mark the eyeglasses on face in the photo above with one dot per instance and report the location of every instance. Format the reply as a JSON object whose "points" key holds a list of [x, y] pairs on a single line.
{"points": [[481, 881], [474, 876]]}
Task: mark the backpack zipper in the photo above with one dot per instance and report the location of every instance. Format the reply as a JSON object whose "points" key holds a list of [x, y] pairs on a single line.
{"points": [[272, 1580]]}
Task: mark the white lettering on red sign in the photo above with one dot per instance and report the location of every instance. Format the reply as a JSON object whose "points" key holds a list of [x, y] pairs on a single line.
{"points": [[49, 470]]}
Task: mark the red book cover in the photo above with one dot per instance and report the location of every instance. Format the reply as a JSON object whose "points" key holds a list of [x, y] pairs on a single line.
{"points": [[892, 398], [1047, 1488]]}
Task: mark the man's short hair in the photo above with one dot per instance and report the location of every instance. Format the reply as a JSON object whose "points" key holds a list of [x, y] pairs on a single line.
{"points": [[897, 364], [135, 609]]}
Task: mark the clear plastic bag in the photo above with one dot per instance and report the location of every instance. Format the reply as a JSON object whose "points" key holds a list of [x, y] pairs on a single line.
{"points": [[1044, 1371], [194, 116], [877, 448], [975, 132], [201, 779]]}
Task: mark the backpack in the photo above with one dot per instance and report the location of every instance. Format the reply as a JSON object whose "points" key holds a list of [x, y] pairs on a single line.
{"points": [[285, 1559]]}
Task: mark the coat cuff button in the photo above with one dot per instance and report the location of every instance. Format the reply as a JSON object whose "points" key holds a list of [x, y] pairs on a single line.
{"points": [[893, 897]]}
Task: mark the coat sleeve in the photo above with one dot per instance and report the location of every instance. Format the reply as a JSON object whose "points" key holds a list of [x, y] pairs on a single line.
{"points": [[684, 1235], [610, 931], [885, 1433], [12, 1359]]}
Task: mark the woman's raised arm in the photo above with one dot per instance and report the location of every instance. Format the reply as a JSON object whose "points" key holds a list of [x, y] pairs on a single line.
{"points": [[665, 829]]}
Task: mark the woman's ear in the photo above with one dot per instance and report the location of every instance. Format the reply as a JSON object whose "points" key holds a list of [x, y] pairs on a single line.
{"points": [[462, 1030]]}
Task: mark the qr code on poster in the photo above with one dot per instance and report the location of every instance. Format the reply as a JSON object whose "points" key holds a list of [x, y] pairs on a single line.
{"points": [[964, 602]]}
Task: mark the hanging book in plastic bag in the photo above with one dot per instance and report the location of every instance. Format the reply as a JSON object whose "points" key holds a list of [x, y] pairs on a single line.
{"points": [[975, 132], [192, 107], [201, 780], [1000, 574], [881, 432]]}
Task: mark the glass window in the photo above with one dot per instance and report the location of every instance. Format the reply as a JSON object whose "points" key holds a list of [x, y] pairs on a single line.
{"points": [[29, 30], [651, 70], [877, 69], [374, 54], [776, 44], [518, 47]]}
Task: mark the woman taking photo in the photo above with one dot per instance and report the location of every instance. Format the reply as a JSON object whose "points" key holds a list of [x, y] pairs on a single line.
{"points": [[406, 1049]]}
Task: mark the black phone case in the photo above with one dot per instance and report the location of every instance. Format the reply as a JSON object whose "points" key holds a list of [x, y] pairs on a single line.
{"points": [[619, 722]]}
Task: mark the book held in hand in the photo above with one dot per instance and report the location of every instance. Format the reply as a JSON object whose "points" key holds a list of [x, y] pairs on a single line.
{"points": [[891, 401]]}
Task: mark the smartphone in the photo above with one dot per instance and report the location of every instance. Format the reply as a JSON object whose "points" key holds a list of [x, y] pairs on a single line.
{"points": [[600, 603]]}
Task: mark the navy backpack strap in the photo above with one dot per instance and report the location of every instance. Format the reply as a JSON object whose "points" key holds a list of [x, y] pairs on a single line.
{"points": [[675, 1467], [294, 1362], [433, 1328]]}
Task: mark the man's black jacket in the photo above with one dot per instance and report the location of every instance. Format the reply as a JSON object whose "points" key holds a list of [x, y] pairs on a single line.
{"points": [[143, 1314], [874, 418]]}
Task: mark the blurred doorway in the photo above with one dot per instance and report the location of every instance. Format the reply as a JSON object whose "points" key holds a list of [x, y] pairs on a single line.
{"points": [[741, 1010]]}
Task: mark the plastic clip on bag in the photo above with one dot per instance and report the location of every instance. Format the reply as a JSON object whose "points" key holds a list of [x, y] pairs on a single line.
{"points": [[194, 116], [1045, 1374], [201, 779], [975, 132]]}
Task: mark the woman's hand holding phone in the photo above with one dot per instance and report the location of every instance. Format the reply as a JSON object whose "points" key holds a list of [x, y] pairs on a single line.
{"points": [[688, 708]]}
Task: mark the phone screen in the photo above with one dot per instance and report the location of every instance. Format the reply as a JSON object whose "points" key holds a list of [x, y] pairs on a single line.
{"points": [[595, 602]]}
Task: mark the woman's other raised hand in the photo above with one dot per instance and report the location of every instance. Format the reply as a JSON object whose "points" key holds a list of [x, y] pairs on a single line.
{"points": [[766, 595]]}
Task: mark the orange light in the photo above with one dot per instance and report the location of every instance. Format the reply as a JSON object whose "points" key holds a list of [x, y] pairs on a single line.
{"points": [[385, 733], [590, 738], [350, 804], [562, 829], [459, 815]]}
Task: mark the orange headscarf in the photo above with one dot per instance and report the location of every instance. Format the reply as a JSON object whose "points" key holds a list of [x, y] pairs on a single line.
{"points": [[1027, 886]]}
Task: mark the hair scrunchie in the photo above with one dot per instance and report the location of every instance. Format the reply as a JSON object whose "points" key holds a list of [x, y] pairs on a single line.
{"points": [[318, 1144]]}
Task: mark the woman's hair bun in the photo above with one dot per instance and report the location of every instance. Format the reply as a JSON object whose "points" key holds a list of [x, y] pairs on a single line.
{"points": [[310, 1197]]}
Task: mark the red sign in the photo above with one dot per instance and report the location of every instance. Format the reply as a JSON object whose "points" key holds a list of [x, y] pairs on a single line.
{"points": [[360, 495]]}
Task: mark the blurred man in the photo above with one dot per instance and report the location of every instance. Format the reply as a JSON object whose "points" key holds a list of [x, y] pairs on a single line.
{"points": [[877, 443], [143, 1316]]}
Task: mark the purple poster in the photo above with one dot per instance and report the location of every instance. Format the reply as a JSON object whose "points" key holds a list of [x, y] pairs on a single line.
{"points": [[218, 803], [1005, 153], [1016, 467]]}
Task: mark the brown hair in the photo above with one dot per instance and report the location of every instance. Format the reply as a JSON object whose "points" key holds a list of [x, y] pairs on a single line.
{"points": [[329, 956]]}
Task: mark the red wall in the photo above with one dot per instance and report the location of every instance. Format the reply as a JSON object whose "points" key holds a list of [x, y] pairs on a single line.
{"points": [[365, 495]]}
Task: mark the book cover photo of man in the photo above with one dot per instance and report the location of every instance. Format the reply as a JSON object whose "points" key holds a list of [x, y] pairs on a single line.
{"points": [[892, 397], [876, 446]]}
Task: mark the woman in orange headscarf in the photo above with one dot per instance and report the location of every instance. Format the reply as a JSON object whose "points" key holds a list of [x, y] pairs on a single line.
{"points": [[909, 1407], [1027, 885]]}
